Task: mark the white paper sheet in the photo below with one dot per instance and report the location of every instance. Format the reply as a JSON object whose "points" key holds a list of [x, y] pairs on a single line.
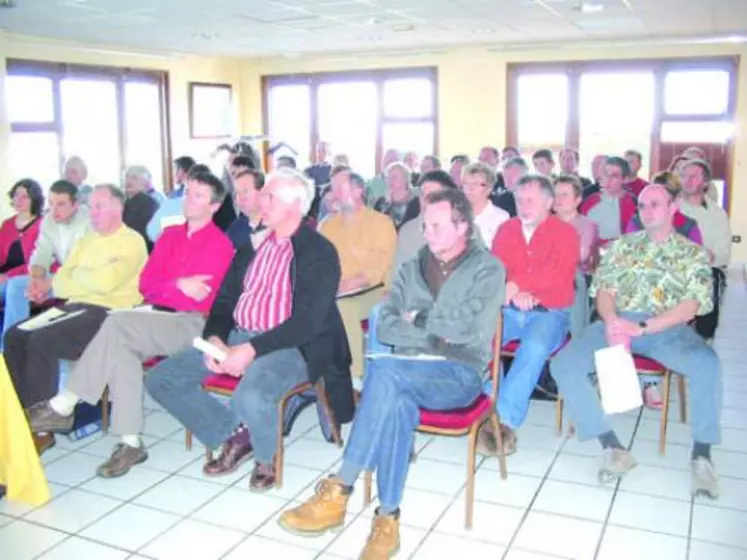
{"points": [[51, 315], [618, 380], [416, 357]]}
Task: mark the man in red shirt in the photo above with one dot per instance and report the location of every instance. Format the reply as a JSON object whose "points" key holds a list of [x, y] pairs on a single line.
{"points": [[634, 183], [180, 282], [540, 252]]}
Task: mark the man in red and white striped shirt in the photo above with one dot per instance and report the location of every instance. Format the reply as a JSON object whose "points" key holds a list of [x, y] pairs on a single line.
{"points": [[276, 319]]}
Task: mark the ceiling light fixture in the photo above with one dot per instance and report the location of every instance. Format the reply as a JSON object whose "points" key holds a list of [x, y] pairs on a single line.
{"points": [[589, 7]]}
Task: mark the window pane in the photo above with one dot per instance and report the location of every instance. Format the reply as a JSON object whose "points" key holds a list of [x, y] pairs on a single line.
{"points": [[616, 113], [212, 111], [410, 97], [35, 155], [718, 132], [542, 109], [696, 92], [90, 127], [290, 119], [30, 99], [418, 137], [143, 128], [347, 119]]}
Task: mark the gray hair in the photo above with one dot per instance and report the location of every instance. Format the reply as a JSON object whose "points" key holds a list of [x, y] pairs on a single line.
{"points": [[301, 188], [77, 161], [139, 171], [113, 190], [541, 181], [399, 166], [479, 168]]}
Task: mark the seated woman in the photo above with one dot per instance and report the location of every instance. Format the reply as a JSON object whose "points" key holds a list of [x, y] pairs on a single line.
{"points": [[18, 233], [400, 202], [682, 224]]}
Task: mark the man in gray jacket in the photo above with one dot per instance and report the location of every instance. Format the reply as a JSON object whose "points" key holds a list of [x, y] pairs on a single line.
{"points": [[440, 317]]}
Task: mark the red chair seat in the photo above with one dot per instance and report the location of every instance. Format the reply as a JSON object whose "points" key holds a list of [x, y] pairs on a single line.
{"points": [[648, 365], [220, 383], [364, 326], [152, 362], [513, 345], [459, 419]]}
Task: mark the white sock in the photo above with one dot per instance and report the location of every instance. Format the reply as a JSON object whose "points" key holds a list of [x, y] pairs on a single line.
{"points": [[132, 441], [64, 403]]}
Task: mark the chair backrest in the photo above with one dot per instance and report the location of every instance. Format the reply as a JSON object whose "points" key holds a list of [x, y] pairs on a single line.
{"points": [[495, 366]]}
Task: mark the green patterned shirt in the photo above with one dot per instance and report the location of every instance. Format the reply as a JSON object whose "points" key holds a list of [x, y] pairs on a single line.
{"points": [[651, 277]]}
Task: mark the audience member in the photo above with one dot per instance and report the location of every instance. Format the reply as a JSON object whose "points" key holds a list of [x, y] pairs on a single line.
{"points": [[597, 173], [614, 207], [569, 160], [76, 171], [247, 186], [543, 163], [429, 163], [181, 168], [478, 181], [400, 202], [18, 234], [456, 164], [513, 170], [377, 187], [141, 206], [568, 193], [633, 182]]}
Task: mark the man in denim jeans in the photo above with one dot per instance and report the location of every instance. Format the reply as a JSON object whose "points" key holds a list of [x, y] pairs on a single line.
{"points": [[540, 252], [444, 304], [649, 286]]}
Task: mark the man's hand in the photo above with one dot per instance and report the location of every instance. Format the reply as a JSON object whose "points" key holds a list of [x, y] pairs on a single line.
{"points": [[352, 284], [524, 301], [239, 358], [194, 287], [409, 316], [620, 331], [38, 289], [210, 362], [511, 290]]}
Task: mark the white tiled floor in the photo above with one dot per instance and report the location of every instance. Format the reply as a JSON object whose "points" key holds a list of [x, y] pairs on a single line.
{"points": [[551, 506]]}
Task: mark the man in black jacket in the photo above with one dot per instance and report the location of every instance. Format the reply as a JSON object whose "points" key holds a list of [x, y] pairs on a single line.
{"points": [[276, 318]]}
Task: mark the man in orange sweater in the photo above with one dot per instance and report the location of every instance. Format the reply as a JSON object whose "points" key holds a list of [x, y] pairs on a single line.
{"points": [[540, 253]]}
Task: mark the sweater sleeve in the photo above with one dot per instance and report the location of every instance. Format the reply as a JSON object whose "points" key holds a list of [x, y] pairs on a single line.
{"points": [[391, 327], [43, 254]]}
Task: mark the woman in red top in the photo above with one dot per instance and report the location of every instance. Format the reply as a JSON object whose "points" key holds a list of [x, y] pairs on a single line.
{"points": [[18, 233]]}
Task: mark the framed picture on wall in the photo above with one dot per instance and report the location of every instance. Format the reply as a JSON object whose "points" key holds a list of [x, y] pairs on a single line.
{"points": [[210, 110]]}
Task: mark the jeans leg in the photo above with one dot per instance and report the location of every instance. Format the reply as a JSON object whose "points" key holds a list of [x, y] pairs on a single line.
{"points": [[256, 399], [373, 344], [682, 350], [571, 368], [513, 326], [16, 303], [543, 333]]}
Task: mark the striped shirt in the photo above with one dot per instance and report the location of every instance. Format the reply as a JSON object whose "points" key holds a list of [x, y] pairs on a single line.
{"points": [[267, 299]]}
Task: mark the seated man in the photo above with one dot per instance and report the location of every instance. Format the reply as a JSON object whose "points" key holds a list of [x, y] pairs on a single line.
{"points": [[65, 223], [171, 210], [633, 182], [247, 186], [446, 303], [365, 241], [180, 281], [275, 316], [513, 170], [647, 308], [540, 252], [100, 274], [478, 181], [613, 207]]}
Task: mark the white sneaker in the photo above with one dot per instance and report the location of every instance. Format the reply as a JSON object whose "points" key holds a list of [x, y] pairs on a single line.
{"points": [[704, 480], [616, 463]]}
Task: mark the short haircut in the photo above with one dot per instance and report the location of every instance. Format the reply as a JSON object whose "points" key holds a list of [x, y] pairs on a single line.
{"points": [[479, 168], [572, 180], [634, 153], [259, 177], [290, 161], [517, 161], [78, 162], [35, 192], [242, 149], [114, 191], [198, 168], [492, 150], [436, 161], [402, 168], [461, 209], [573, 151], [438, 176], [704, 165], [65, 187], [512, 149], [670, 181], [184, 163], [463, 158], [217, 188], [357, 180], [620, 163], [543, 154], [139, 171], [304, 190], [541, 181], [340, 169], [243, 161]]}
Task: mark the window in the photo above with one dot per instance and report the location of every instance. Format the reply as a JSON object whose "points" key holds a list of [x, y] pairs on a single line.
{"points": [[692, 132], [361, 114], [110, 117], [696, 92], [542, 110], [210, 110]]}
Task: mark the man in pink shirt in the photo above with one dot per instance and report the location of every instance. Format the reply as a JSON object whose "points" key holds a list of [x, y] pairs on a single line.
{"points": [[179, 283]]}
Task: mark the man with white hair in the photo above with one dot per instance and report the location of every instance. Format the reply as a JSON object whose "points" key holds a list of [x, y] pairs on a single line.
{"points": [[275, 317], [141, 203], [76, 172]]}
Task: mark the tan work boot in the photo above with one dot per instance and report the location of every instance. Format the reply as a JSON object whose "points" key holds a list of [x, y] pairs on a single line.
{"points": [[324, 511], [383, 542]]}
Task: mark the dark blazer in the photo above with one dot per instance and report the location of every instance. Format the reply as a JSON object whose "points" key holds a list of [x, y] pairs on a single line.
{"points": [[138, 211], [315, 326], [506, 201]]}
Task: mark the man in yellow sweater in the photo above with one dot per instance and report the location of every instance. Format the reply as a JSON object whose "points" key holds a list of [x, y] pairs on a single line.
{"points": [[365, 241], [101, 273]]}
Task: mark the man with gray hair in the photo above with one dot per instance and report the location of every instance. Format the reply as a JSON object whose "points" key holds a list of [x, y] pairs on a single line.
{"points": [[76, 171], [540, 252], [513, 170], [276, 320]]}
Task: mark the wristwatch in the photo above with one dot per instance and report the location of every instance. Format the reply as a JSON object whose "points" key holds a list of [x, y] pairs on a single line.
{"points": [[643, 325]]}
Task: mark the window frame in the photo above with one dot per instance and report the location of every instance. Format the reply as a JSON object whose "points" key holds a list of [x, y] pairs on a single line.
{"points": [[57, 71], [378, 76], [208, 85]]}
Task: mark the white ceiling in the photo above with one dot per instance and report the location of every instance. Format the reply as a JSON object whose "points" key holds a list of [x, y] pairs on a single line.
{"points": [[287, 27]]}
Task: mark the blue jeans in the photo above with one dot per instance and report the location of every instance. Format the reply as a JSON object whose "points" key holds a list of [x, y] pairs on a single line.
{"points": [[540, 334], [678, 348], [394, 390], [175, 384], [373, 344]]}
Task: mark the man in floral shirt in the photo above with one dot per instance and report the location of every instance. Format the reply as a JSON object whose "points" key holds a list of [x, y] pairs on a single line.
{"points": [[650, 285]]}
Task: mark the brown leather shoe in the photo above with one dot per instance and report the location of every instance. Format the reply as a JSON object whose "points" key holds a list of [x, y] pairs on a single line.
{"points": [[263, 478], [43, 442], [231, 457], [43, 418], [383, 541], [123, 458], [487, 442]]}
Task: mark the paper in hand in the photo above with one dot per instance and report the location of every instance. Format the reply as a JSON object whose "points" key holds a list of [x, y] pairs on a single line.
{"points": [[618, 380]]}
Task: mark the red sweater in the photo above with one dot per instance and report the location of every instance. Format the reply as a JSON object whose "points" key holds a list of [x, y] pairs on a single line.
{"points": [[628, 209], [546, 267], [636, 186], [9, 234]]}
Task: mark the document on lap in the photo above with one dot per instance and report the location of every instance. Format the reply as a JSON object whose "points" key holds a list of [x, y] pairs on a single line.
{"points": [[52, 315], [618, 380], [415, 357], [210, 349]]}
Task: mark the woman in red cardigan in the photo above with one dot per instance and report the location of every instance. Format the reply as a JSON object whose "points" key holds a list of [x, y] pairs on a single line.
{"points": [[18, 234]]}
